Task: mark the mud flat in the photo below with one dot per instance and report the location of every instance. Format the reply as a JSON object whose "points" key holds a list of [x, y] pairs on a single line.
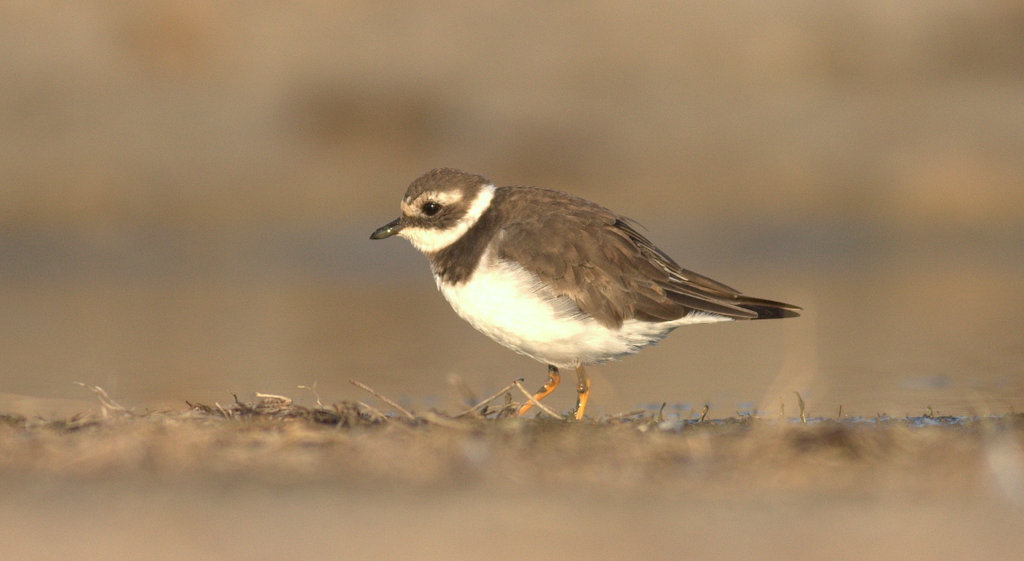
{"points": [[269, 479]]}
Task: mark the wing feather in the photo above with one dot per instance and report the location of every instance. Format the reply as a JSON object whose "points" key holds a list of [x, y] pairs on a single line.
{"points": [[610, 270]]}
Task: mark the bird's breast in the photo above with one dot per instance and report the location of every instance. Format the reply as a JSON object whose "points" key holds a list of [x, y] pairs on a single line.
{"points": [[512, 306]]}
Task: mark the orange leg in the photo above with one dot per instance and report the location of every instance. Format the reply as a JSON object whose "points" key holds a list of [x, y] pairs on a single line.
{"points": [[548, 387], [582, 390]]}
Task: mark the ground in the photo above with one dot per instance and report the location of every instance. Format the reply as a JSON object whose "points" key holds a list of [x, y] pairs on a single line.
{"points": [[269, 479]]}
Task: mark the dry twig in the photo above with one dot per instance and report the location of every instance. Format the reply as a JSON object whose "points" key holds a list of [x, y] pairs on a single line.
{"points": [[539, 405], [381, 397], [316, 394], [484, 403], [803, 409], [373, 411], [107, 404]]}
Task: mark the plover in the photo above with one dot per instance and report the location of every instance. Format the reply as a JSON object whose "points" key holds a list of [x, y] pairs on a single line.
{"points": [[556, 277]]}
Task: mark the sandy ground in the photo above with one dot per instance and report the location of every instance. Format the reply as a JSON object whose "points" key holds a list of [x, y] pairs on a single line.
{"points": [[94, 521], [271, 483]]}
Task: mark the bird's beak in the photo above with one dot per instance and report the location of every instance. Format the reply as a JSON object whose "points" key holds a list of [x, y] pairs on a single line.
{"points": [[387, 230]]}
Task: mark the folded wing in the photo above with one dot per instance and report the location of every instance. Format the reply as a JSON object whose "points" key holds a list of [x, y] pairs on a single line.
{"points": [[612, 272]]}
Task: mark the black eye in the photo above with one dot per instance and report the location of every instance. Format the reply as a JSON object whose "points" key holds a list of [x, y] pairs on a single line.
{"points": [[430, 208]]}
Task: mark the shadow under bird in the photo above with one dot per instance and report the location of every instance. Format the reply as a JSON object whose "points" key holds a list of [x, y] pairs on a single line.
{"points": [[555, 277]]}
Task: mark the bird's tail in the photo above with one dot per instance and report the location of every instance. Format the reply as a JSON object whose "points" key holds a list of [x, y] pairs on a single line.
{"points": [[767, 309]]}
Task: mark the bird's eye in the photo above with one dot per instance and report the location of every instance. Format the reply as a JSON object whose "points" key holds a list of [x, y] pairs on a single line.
{"points": [[430, 208]]}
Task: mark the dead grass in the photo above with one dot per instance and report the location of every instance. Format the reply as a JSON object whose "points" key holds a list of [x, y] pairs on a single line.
{"points": [[265, 474], [354, 444]]}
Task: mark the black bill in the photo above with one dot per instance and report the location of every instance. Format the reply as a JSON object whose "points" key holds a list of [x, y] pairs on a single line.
{"points": [[387, 230]]}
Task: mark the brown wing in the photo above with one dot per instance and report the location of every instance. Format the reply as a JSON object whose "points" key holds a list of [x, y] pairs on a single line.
{"points": [[611, 271]]}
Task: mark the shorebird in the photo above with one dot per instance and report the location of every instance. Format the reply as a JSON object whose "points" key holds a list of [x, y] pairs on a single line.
{"points": [[556, 277]]}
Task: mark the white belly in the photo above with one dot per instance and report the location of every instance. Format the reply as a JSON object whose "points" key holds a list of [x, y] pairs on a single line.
{"points": [[511, 306]]}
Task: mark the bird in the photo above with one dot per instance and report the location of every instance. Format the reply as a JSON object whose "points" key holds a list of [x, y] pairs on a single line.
{"points": [[555, 277]]}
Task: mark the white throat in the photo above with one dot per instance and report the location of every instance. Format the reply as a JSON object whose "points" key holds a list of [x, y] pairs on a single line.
{"points": [[430, 240]]}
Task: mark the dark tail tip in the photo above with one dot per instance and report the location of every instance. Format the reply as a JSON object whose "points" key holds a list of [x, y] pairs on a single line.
{"points": [[768, 309]]}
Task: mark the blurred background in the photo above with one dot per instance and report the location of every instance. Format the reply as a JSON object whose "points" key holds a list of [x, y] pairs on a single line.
{"points": [[187, 191]]}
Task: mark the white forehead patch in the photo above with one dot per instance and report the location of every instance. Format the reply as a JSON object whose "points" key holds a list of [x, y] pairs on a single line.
{"points": [[430, 240]]}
